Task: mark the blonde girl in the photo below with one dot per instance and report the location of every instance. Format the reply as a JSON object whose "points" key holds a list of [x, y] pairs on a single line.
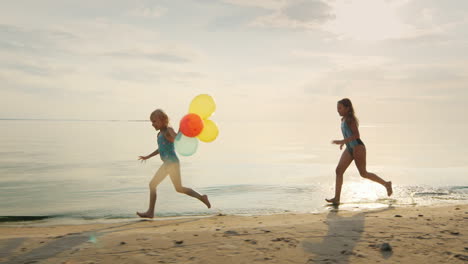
{"points": [[171, 164]]}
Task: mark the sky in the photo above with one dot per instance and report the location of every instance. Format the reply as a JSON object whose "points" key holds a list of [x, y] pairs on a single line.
{"points": [[262, 60]]}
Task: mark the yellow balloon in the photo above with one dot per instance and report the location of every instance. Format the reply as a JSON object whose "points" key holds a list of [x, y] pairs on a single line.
{"points": [[202, 105], [210, 131]]}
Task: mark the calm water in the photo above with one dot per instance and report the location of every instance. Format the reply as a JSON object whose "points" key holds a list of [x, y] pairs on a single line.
{"points": [[88, 170]]}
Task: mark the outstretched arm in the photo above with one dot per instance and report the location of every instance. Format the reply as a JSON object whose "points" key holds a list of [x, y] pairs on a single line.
{"points": [[142, 158]]}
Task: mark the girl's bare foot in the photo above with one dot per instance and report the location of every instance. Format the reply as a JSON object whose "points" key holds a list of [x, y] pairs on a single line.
{"points": [[333, 201], [205, 200], [388, 185], [145, 215]]}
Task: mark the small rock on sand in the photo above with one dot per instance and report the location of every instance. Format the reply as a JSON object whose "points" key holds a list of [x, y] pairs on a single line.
{"points": [[253, 242], [386, 247], [285, 239]]}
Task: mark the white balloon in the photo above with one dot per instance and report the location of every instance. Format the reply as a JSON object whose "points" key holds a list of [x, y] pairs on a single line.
{"points": [[185, 146]]}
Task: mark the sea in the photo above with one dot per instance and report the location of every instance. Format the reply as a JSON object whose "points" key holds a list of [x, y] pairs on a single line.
{"points": [[87, 171]]}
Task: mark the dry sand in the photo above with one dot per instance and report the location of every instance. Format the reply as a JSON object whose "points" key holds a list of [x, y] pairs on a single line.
{"points": [[415, 234]]}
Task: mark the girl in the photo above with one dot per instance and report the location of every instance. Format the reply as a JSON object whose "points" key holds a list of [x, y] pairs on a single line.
{"points": [[355, 150], [166, 136]]}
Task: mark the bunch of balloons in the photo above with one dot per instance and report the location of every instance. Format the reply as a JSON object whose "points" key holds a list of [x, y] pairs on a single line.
{"points": [[196, 126]]}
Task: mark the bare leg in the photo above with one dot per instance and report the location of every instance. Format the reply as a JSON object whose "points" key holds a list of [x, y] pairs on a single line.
{"points": [[174, 173], [345, 160], [360, 160], [157, 179]]}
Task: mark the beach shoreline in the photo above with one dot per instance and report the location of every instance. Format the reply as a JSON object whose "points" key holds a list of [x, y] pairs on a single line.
{"points": [[432, 234]]}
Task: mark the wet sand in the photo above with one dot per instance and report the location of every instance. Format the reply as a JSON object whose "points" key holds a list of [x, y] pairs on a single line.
{"points": [[436, 234]]}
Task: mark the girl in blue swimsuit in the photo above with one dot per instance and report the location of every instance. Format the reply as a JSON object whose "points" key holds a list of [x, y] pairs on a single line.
{"points": [[170, 166], [355, 150]]}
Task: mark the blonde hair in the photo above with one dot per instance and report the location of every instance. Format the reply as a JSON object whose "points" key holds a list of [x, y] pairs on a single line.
{"points": [[161, 115]]}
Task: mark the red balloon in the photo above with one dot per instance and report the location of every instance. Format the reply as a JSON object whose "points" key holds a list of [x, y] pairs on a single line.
{"points": [[191, 125]]}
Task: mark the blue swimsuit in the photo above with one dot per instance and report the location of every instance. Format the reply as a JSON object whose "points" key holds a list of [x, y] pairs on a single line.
{"points": [[166, 149], [346, 134]]}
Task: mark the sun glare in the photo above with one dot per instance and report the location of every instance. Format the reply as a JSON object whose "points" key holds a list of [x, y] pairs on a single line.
{"points": [[368, 20]]}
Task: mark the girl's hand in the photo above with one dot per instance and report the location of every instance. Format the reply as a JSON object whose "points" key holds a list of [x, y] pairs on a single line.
{"points": [[143, 158], [339, 142]]}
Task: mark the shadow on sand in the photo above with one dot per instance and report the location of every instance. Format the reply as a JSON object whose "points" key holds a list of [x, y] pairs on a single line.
{"points": [[343, 235]]}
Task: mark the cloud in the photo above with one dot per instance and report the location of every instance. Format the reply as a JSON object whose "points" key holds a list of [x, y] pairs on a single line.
{"points": [[92, 68], [137, 53], [266, 4], [88, 49], [420, 39], [343, 60], [33, 53], [393, 79], [288, 13], [148, 12], [26, 68], [160, 56], [366, 20], [40, 41], [308, 11], [297, 15], [433, 13], [152, 75], [134, 76]]}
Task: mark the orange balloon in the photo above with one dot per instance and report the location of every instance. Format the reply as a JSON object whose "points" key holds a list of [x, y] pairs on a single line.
{"points": [[191, 125]]}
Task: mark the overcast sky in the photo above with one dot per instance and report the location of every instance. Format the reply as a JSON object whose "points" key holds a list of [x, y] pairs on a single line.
{"points": [[398, 60]]}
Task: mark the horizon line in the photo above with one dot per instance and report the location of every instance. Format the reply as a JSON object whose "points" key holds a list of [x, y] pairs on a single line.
{"points": [[72, 120]]}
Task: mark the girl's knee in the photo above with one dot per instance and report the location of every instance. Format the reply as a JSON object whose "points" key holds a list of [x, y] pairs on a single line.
{"points": [[152, 186], [180, 189], [364, 174]]}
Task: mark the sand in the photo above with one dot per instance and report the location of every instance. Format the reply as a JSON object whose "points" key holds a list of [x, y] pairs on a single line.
{"points": [[436, 234]]}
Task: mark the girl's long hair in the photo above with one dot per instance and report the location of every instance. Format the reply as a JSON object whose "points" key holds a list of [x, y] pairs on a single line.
{"points": [[351, 116]]}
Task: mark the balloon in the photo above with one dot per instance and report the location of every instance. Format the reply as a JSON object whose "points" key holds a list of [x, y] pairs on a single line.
{"points": [[185, 146], [191, 125], [210, 132], [203, 105]]}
